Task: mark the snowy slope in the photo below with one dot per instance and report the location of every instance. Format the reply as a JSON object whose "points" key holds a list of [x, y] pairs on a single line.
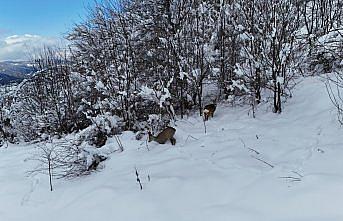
{"points": [[284, 167], [11, 71]]}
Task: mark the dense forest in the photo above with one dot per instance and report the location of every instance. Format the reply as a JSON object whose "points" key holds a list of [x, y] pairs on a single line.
{"points": [[139, 65]]}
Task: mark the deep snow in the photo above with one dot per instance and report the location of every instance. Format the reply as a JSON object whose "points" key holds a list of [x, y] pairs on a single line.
{"points": [[284, 167]]}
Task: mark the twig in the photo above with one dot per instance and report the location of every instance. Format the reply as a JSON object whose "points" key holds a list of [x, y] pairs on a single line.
{"points": [[147, 146], [242, 142], [204, 125], [253, 150], [190, 136], [297, 173], [119, 143], [292, 179], [263, 161], [50, 173], [138, 180]]}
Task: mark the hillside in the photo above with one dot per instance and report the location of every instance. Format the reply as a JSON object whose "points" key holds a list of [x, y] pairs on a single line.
{"points": [[11, 71], [274, 167]]}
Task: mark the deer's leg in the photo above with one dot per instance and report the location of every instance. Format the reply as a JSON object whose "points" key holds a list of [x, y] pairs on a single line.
{"points": [[173, 141], [205, 116]]}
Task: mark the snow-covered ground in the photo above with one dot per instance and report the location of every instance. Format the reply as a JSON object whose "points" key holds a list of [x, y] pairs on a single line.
{"points": [[285, 167]]}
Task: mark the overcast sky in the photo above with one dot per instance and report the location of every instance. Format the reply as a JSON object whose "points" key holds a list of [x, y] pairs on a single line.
{"points": [[26, 25]]}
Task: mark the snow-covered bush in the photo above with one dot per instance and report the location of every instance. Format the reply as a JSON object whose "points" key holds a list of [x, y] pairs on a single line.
{"points": [[64, 159]]}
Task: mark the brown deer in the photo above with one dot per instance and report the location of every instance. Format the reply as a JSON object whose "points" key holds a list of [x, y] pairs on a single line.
{"points": [[166, 134], [209, 111]]}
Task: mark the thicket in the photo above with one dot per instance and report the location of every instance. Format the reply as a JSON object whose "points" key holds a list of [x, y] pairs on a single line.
{"points": [[136, 65]]}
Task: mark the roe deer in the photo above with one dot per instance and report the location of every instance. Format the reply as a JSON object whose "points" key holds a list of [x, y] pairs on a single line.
{"points": [[209, 111], [166, 134]]}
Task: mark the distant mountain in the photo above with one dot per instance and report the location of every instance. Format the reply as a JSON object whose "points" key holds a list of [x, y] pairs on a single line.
{"points": [[13, 71]]}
